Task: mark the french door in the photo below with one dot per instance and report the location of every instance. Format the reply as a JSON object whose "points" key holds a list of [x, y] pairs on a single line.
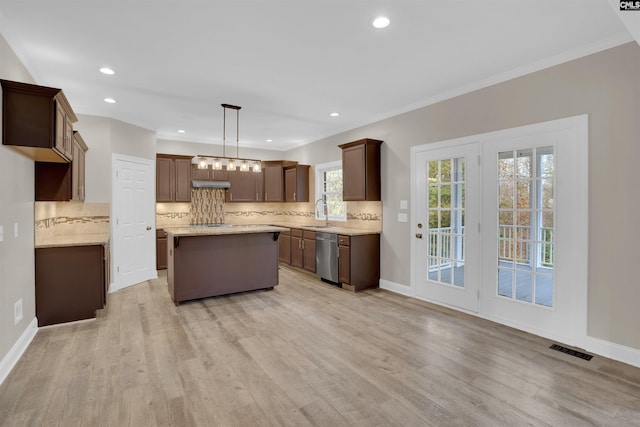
{"points": [[500, 226], [446, 232], [534, 248]]}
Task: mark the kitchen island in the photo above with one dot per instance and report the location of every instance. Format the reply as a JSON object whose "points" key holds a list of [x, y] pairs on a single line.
{"points": [[210, 261]]}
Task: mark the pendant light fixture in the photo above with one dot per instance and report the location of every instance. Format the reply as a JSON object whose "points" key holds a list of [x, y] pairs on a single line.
{"points": [[232, 163]]}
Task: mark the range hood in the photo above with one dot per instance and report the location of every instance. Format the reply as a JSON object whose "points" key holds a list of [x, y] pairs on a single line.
{"points": [[210, 184]]}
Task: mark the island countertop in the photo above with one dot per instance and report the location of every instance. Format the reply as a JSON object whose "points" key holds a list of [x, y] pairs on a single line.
{"points": [[203, 230]]}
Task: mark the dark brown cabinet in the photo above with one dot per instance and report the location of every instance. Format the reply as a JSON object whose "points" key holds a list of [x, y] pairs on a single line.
{"points": [[70, 282], [359, 261], [284, 247], [245, 186], [78, 168], [62, 182], [161, 249], [296, 248], [303, 249], [173, 178], [296, 183], [208, 174], [309, 250], [273, 181], [37, 121], [361, 170]]}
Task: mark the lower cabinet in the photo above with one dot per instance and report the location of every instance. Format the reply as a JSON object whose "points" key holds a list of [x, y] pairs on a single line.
{"points": [[71, 282], [359, 261], [284, 247], [303, 249], [309, 250], [161, 250]]}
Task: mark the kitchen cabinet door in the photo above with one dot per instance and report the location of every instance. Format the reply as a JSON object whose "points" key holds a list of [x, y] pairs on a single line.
{"points": [[309, 251], [359, 261], [361, 170], [78, 168], [344, 264], [201, 174], [273, 182], [297, 259], [173, 178], [161, 250], [165, 179], [284, 247], [296, 183], [69, 283], [243, 186], [183, 180]]}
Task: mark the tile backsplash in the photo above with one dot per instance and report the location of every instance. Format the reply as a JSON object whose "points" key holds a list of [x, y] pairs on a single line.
{"points": [[70, 218], [360, 215]]}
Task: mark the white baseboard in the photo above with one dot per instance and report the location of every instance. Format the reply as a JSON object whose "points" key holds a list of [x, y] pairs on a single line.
{"points": [[398, 288], [18, 349], [621, 353]]}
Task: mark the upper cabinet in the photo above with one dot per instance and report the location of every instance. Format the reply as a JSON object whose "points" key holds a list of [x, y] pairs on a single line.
{"points": [[173, 178], [273, 181], [62, 182], [78, 168], [361, 170], [37, 121], [246, 186], [296, 183]]}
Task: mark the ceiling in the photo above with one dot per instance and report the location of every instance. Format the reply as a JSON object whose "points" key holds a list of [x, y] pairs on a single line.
{"points": [[289, 64]]}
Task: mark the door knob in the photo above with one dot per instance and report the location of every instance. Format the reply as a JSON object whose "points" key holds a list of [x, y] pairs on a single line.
{"points": [[419, 235], [148, 227]]}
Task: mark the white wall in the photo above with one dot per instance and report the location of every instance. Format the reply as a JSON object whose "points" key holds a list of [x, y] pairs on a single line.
{"points": [[17, 275]]}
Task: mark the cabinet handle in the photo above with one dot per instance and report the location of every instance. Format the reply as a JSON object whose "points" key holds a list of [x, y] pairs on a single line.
{"points": [[266, 196], [303, 245], [230, 196], [294, 196]]}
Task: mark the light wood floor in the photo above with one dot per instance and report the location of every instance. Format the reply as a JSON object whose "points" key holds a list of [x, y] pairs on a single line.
{"points": [[305, 353]]}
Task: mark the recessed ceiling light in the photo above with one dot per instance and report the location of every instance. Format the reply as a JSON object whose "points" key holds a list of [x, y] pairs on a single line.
{"points": [[334, 114], [108, 71], [381, 22], [269, 140], [110, 100], [182, 131]]}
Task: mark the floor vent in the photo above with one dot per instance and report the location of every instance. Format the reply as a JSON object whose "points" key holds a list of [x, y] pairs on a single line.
{"points": [[575, 353]]}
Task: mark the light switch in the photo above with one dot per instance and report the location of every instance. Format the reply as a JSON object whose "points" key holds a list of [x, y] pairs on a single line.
{"points": [[15, 230], [1, 233], [404, 204], [403, 217]]}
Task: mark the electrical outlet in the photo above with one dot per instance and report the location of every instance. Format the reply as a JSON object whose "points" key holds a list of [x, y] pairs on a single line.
{"points": [[17, 311], [15, 230]]}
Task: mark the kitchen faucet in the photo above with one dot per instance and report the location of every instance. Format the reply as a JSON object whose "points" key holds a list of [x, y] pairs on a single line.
{"points": [[326, 208]]}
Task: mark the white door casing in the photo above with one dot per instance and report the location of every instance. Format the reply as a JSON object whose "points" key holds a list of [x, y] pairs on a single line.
{"points": [[566, 321], [132, 221]]}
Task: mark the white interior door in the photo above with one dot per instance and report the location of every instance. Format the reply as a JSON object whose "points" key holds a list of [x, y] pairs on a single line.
{"points": [[133, 221], [446, 217]]}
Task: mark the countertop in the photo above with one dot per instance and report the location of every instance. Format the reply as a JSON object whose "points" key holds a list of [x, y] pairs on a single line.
{"points": [[201, 230], [324, 229], [81, 240]]}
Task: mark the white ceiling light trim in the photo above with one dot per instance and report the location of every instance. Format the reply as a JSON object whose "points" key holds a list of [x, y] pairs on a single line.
{"points": [[108, 71], [381, 22], [110, 100]]}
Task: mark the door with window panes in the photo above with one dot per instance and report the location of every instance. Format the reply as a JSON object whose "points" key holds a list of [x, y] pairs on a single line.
{"points": [[446, 232]]}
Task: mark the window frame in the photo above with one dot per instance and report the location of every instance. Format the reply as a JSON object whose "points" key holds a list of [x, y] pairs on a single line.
{"points": [[320, 170]]}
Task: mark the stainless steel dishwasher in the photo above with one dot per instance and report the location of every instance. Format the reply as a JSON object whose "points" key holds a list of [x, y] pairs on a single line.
{"points": [[327, 257]]}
